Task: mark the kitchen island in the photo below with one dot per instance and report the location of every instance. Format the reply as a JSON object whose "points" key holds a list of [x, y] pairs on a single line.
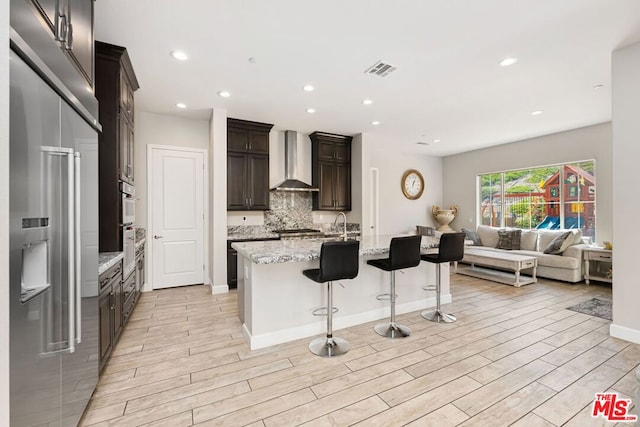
{"points": [[275, 301]]}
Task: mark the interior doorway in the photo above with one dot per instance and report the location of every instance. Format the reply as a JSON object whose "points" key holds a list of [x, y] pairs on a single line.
{"points": [[176, 216]]}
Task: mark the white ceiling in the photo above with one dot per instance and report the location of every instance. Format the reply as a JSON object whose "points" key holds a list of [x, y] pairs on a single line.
{"points": [[448, 84]]}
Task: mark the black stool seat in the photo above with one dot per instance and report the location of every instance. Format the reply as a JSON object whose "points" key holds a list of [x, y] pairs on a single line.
{"points": [[338, 261], [450, 248], [404, 252]]}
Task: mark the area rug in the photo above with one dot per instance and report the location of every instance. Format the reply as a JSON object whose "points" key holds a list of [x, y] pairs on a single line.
{"points": [[594, 307]]}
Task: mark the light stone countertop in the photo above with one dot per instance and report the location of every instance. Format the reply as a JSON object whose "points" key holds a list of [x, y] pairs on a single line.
{"points": [[281, 251], [106, 260], [140, 242], [252, 236]]}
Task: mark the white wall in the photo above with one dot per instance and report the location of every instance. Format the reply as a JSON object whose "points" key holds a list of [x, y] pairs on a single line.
{"points": [[397, 213], [592, 142], [162, 129], [626, 204], [218, 200], [4, 214]]}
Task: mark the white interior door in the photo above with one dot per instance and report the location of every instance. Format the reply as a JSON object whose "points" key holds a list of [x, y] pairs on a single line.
{"points": [[177, 217]]}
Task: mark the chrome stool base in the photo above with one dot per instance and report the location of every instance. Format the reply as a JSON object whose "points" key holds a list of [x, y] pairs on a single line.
{"points": [[328, 347], [392, 330], [438, 316]]}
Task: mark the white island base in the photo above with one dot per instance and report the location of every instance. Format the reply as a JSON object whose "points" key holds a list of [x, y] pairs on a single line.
{"points": [[276, 301]]}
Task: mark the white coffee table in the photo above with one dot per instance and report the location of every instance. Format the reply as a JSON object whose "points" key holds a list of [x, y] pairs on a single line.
{"points": [[512, 263]]}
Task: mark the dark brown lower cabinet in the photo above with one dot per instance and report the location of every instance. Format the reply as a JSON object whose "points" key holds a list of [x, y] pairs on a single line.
{"points": [[232, 266], [110, 310], [232, 260], [106, 318], [116, 303], [140, 273], [128, 296]]}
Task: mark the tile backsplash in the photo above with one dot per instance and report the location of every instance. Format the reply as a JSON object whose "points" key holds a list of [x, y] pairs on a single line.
{"points": [[289, 209]]}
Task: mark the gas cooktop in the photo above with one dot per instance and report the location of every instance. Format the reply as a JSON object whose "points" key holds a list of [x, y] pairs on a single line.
{"points": [[299, 233], [297, 230]]}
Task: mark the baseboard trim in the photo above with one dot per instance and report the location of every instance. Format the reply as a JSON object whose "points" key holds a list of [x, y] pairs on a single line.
{"points": [[290, 334], [219, 289], [624, 333]]}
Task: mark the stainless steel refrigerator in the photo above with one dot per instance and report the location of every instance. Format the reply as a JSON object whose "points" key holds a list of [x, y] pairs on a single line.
{"points": [[54, 252]]}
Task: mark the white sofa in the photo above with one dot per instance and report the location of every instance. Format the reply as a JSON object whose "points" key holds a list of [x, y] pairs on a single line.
{"points": [[566, 266]]}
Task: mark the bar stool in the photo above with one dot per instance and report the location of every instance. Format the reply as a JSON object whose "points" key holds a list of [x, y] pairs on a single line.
{"points": [[450, 248], [338, 260], [404, 252]]}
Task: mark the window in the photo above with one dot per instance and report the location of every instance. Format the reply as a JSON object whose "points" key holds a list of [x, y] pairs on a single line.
{"points": [[560, 196]]}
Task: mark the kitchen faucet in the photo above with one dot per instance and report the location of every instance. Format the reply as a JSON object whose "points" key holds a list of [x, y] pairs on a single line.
{"points": [[344, 225]]}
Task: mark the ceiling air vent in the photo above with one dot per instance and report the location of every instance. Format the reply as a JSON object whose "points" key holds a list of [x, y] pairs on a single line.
{"points": [[380, 69]]}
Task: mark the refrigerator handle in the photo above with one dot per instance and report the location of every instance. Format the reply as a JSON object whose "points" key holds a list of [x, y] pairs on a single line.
{"points": [[59, 23], [72, 256], [78, 249]]}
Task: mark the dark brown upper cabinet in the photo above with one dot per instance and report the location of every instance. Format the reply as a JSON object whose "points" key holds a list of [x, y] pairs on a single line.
{"points": [[331, 171], [247, 165], [115, 84]]}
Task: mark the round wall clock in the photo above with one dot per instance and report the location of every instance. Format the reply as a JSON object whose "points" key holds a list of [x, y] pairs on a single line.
{"points": [[412, 184]]}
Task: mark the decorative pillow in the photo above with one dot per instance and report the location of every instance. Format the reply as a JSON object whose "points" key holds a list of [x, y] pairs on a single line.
{"points": [[504, 240], [516, 236], [529, 240], [488, 235], [509, 239], [545, 237], [577, 236], [472, 235], [559, 244], [424, 230]]}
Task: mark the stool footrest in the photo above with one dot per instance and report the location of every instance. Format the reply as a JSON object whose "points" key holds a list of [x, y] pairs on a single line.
{"points": [[322, 311], [384, 297]]}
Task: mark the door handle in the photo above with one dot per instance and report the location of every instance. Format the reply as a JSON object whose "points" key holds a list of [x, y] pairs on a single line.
{"points": [[77, 178], [155, 236]]}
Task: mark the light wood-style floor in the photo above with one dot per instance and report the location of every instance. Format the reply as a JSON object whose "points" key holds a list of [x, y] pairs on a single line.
{"points": [[515, 356]]}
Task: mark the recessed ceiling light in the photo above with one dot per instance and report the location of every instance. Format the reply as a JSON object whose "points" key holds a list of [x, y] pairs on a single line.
{"points": [[224, 94], [181, 105], [508, 61], [367, 101], [422, 143], [308, 88], [597, 87], [179, 55], [537, 112], [375, 123], [253, 60], [311, 110], [436, 140]]}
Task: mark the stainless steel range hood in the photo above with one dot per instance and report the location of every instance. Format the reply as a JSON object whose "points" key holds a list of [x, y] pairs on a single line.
{"points": [[291, 183]]}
